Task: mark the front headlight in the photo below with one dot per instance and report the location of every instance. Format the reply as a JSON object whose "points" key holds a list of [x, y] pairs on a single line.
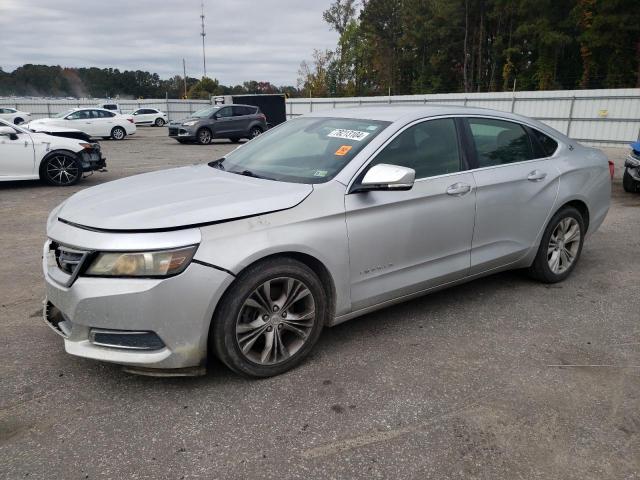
{"points": [[160, 263], [190, 124]]}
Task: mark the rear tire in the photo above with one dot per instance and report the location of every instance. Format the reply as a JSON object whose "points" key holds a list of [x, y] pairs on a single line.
{"points": [[118, 133], [204, 136], [269, 319], [628, 183], [61, 169], [560, 247], [159, 122], [254, 132]]}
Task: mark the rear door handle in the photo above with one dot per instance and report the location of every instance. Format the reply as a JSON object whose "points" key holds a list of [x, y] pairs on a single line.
{"points": [[536, 176], [458, 189]]}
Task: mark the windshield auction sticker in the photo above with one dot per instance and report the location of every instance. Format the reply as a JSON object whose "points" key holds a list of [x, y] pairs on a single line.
{"points": [[343, 150], [356, 135]]}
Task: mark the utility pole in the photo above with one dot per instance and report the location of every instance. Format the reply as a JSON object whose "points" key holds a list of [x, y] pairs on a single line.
{"points": [[184, 69], [203, 34]]}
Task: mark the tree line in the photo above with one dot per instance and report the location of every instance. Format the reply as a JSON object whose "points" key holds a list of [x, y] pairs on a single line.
{"points": [[56, 81], [435, 46]]}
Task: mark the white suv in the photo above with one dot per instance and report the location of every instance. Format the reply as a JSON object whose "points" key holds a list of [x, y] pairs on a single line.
{"points": [[150, 116]]}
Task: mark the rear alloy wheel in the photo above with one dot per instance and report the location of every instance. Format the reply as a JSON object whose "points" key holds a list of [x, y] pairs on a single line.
{"points": [[560, 247], [18, 121], [61, 170], [159, 122], [118, 133], [204, 136], [270, 318], [254, 132]]}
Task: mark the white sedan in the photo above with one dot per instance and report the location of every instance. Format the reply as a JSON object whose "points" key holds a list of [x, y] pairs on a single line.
{"points": [[14, 116], [150, 116], [96, 122], [55, 159]]}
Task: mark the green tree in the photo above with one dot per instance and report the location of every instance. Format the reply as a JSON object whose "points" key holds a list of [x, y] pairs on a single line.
{"points": [[204, 89]]}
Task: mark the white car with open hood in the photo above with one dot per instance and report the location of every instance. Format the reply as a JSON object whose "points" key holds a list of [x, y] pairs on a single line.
{"points": [[96, 122], [59, 157]]}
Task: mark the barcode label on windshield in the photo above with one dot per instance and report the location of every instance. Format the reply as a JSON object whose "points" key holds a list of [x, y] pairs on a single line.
{"points": [[348, 134]]}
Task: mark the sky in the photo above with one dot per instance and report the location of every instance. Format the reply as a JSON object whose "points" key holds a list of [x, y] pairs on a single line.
{"points": [[262, 40]]}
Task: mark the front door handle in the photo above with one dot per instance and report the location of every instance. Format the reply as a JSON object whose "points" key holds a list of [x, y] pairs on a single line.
{"points": [[458, 189], [536, 176]]}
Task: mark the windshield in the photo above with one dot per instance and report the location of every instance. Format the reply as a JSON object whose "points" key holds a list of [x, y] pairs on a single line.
{"points": [[304, 150], [63, 114], [205, 112]]}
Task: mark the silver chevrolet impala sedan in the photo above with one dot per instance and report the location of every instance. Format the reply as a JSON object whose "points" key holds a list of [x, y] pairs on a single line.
{"points": [[320, 220]]}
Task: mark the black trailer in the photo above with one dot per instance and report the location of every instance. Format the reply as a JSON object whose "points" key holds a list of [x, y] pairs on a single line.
{"points": [[272, 105]]}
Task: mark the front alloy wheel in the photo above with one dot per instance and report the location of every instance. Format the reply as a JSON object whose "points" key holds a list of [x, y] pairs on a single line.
{"points": [[61, 170], [270, 318], [204, 136], [275, 321]]}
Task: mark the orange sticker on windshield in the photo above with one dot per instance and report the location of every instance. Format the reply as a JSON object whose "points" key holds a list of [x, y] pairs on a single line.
{"points": [[343, 150]]}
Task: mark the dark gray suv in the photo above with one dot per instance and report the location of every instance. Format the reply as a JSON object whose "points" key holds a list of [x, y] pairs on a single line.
{"points": [[221, 121]]}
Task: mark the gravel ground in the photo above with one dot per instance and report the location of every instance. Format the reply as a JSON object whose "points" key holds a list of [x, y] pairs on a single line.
{"points": [[462, 383]]}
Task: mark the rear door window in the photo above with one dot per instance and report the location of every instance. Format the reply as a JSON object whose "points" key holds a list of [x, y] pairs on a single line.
{"points": [[499, 142]]}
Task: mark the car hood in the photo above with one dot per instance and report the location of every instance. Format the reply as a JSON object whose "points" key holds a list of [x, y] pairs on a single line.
{"points": [[181, 121], [178, 198], [44, 129]]}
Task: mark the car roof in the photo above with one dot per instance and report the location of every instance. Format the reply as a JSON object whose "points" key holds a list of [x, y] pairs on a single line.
{"points": [[409, 113]]}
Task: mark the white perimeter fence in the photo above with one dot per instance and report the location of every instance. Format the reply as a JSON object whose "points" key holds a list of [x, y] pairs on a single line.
{"points": [[596, 117]]}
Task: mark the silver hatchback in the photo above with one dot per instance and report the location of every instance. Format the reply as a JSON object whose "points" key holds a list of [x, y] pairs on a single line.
{"points": [[319, 220]]}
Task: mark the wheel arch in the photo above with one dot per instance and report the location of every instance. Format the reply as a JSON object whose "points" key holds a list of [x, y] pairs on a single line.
{"points": [[316, 266], [579, 205]]}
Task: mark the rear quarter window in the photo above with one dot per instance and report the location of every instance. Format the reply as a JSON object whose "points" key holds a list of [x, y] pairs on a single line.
{"points": [[544, 145]]}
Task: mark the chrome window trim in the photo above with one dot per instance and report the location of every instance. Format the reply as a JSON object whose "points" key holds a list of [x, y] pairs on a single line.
{"points": [[456, 115]]}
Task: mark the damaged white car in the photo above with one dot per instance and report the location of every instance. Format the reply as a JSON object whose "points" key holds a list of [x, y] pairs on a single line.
{"points": [[58, 157]]}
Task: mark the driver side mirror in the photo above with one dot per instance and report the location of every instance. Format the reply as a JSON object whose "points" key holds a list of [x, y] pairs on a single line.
{"points": [[8, 132], [387, 177]]}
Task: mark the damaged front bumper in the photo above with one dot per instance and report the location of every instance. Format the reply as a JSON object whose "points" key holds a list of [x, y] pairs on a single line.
{"points": [[92, 158], [153, 326]]}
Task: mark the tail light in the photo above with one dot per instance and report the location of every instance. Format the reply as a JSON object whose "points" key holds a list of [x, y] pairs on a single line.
{"points": [[262, 116], [130, 119], [612, 168]]}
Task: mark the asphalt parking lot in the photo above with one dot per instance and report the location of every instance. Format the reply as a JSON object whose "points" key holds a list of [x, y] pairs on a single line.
{"points": [[498, 378]]}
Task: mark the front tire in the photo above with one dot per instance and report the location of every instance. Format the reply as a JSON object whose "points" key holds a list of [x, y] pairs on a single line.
{"points": [[118, 133], [61, 169], [159, 122], [560, 247], [18, 121], [269, 319], [628, 183], [204, 136]]}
